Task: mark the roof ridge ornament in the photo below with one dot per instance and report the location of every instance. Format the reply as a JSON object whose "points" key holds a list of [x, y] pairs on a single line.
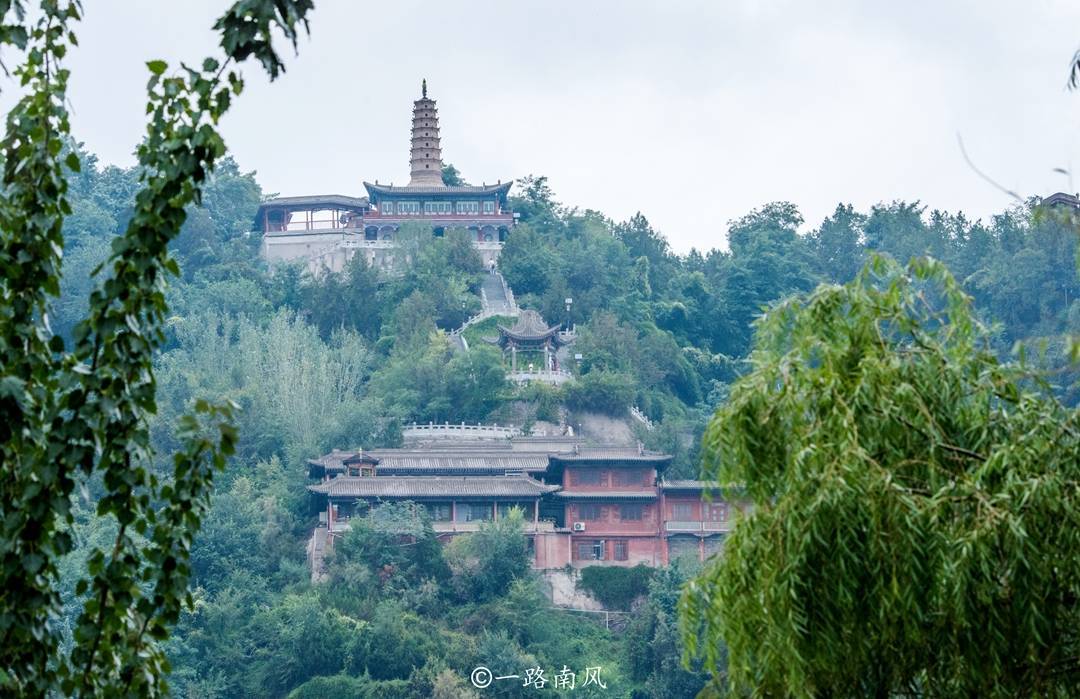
{"points": [[423, 88]]}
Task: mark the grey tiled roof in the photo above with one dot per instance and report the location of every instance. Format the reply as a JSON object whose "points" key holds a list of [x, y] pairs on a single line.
{"points": [[611, 454], [501, 188], [317, 200], [334, 461], [401, 460], [403, 487], [529, 326], [688, 485], [607, 494], [700, 485]]}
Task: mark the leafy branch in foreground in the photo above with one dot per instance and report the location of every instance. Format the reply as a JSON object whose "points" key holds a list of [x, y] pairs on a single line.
{"points": [[916, 506], [69, 415]]}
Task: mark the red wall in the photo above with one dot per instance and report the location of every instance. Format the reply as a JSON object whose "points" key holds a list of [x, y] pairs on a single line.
{"points": [[610, 479], [611, 522]]}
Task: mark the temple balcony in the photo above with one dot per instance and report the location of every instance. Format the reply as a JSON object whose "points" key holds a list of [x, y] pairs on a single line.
{"points": [[696, 526], [543, 526]]}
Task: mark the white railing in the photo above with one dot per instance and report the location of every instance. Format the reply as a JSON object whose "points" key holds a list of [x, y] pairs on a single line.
{"points": [[460, 430], [674, 525], [481, 316], [552, 377], [509, 293], [641, 417], [364, 243]]}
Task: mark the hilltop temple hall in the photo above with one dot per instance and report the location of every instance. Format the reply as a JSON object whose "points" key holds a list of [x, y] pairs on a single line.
{"points": [[327, 230], [583, 504]]}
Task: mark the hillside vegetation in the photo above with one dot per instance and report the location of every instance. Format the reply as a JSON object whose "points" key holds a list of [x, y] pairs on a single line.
{"points": [[345, 360]]}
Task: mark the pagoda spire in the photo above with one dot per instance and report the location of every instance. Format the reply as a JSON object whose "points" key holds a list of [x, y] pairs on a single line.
{"points": [[425, 156]]}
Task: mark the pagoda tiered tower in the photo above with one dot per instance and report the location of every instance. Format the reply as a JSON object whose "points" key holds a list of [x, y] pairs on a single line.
{"points": [[425, 156], [328, 229]]}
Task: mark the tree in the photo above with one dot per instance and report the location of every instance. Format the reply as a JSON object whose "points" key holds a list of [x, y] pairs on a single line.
{"points": [[70, 414], [396, 542], [489, 560], [451, 176], [914, 505], [837, 245]]}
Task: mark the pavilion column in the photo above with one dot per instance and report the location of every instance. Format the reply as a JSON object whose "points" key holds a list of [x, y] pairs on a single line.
{"points": [[513, 357], [536, 513], [495, 510], [453, 515]]}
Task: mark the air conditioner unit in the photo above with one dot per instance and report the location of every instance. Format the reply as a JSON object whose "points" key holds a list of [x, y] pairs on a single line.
{"points": [[579, 526]]}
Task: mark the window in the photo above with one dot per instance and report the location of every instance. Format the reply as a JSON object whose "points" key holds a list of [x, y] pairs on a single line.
{"points": [[406, 208], [682, 511], [437, 207], [591, 550], [439, 511], [621, 550], [473, 511], [631, 476], [388, 207], [589, 512], [631, 512], [718, 512], [489, 207], [587, 477], [468, 207]]}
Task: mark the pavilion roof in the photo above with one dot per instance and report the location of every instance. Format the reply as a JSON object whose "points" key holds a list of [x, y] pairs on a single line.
{"points": [[315, 202], [407, 487], [529, 326], [1061, 199], [335, 460], [378, 190]]}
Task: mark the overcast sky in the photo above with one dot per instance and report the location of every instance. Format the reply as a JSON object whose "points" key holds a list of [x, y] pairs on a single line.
{"points": [[693, 113]]}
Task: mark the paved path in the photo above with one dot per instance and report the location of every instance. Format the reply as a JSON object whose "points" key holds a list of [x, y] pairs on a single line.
{"points": [[495, 295]]}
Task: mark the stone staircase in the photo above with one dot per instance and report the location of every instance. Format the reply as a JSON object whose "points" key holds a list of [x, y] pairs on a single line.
{"points": [[496, 296], [496, 299]]}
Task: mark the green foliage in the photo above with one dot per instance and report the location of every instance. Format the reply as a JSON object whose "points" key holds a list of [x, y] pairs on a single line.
{"points": [[653, 641], [912, 500], [396, 543], [343, 360], [600, 391], [70, 415], [487, 563], [451, 176], [488, 327], [345, 687], [300, 395], [431, 382], [615, 587]]}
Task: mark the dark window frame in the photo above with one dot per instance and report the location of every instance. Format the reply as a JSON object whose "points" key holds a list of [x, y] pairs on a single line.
{"points": [[590, 512]]}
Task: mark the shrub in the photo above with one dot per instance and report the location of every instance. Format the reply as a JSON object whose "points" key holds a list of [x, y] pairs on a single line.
{"points": [[615, 588], [605, 392]]}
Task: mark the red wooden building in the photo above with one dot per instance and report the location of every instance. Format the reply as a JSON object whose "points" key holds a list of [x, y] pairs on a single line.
{"points": [[584, 505]]}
